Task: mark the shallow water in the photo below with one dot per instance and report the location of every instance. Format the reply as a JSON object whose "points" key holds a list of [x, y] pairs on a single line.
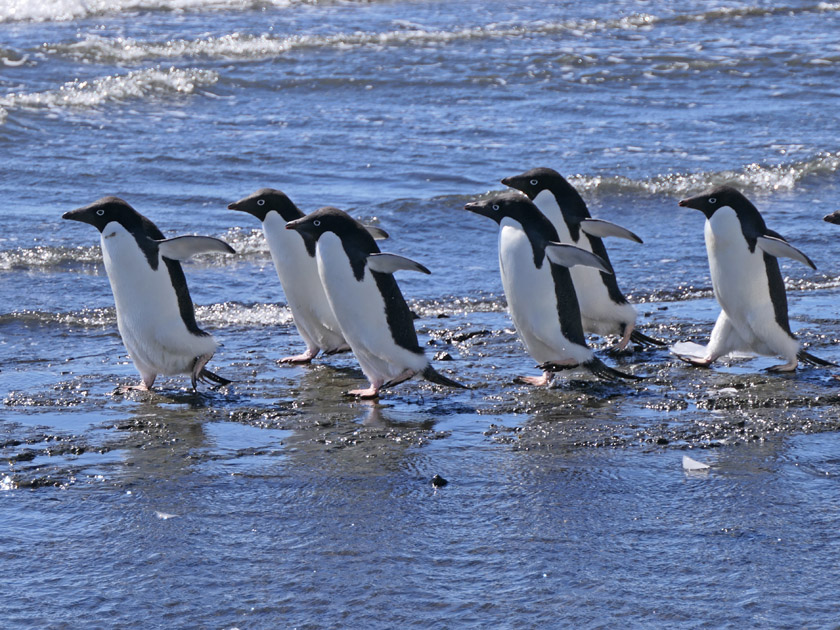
{"points": [[277, 502]]}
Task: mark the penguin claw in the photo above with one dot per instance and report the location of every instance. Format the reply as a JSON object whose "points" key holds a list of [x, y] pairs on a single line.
{"points": [[642, 339]]}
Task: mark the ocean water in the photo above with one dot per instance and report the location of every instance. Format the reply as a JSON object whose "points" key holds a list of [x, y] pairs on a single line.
{"points": [[277, 502]]}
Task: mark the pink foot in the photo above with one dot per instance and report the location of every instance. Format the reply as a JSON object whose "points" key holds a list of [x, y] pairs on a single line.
{"points": [[305, 357], [696, 362], [538, 381], [370, 392]]}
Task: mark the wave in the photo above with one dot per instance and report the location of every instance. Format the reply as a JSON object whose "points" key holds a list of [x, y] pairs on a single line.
{"points": [[117, 88], [248, 244], [750, 178], [265, 46], [64, 10], [210, 317]]}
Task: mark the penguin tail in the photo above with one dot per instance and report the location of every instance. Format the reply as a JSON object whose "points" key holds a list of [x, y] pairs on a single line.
{"points": [[810, 359], [433, 376], [642, 339], [206, 376], [604, 371]]}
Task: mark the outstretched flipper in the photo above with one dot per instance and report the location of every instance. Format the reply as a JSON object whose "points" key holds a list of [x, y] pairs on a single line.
{"points": [[810, 359], [183, 247], [433, 376], [603, 229]]}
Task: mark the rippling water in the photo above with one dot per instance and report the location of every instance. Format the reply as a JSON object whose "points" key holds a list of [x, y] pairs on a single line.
{"points": [[278, 503]]}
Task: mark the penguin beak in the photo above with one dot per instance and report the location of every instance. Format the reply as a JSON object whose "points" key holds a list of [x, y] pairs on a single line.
{"points": [[477, 207], [79, 214], [508, 181], [692, 202], [236, 205]]}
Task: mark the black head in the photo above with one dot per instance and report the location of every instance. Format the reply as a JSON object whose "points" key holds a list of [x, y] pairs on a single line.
{"points": [[327, 219], [113, 209], [533, 182], [264, 201], [503, 205], [721, 196]]}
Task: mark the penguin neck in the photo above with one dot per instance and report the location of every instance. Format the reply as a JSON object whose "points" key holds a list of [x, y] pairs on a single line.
{"points": [[284, 243]]}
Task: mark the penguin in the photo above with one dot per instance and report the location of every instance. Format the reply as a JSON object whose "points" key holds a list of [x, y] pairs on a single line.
{"points": [[834, 217], [747, 283], [359, 283], [604, 309], [155, 314], [297, 269], [541, 296]]}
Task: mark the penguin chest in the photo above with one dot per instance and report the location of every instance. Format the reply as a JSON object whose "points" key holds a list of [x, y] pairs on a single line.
{"points": [[148, 314], [532, 297], [360, 310], [739, 276], [298, 274]]}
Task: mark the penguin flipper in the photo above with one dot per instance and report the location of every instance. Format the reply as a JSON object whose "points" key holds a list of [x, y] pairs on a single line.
{"points": [[602, 229], [183, 247], [642, 339], [433, 376], [782, 249], [604, 371], [389, 263], [378, 234], [568, 256], [810, 359]]}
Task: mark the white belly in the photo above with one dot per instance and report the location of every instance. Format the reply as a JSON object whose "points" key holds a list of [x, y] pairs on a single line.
{"points": [[148, 318], [599, 314], [532, 301], [298, 274], [739, 280], [360, 311]]}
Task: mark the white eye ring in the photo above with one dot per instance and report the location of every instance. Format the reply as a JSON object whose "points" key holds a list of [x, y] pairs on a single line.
{"points": [[260, 202], [712, 200], [316, 223], [496, 207], [534, 182], [100, 212]]}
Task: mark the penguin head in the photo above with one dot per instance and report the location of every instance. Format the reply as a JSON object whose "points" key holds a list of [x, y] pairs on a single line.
{"points": [[711, 200], [108, 210], [533, 182], [504, 205], [327, 219], [264, 201]]}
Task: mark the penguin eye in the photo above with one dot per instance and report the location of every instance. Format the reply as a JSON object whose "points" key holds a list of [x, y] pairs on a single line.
{"points": [[260, 202], [712, 200], [496, 207], [316, 223], [534, 182], [100, 212]]}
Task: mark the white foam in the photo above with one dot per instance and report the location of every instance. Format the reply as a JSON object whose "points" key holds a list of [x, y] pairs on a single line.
{"points": [[134, 85], [63, 10]]}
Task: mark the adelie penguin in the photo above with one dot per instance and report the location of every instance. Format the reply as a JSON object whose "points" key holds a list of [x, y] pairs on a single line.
{"points": [[297, 269], [359, 283], [603, 308], [539, 289], [155, 313], [747, 283]]}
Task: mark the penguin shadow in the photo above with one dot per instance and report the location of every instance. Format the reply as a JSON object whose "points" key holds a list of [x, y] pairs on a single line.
{"points": [[170, 394]]}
